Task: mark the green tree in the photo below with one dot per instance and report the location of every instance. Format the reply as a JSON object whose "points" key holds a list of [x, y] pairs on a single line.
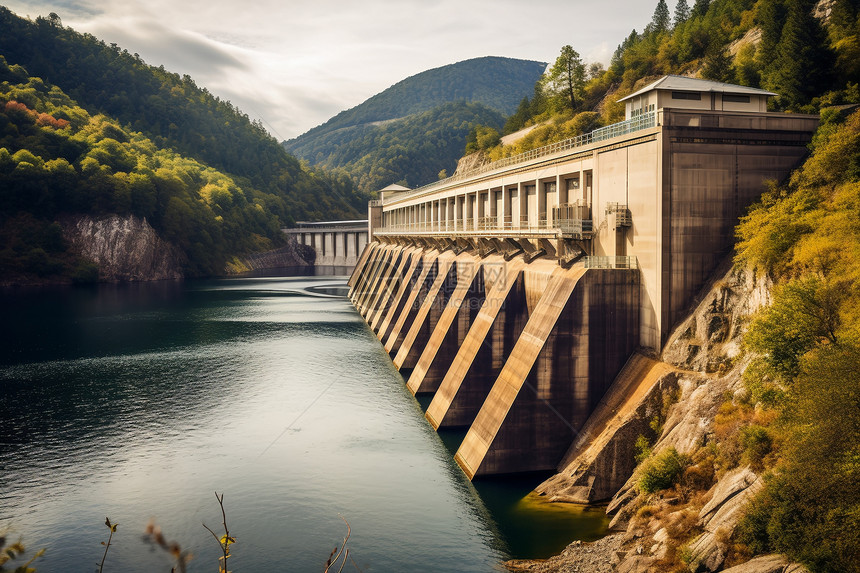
{"points": [[661, 21], [802, 63], [804, 312], [566, 78], [810, 508], [518, 120], [718, 65], [700, 8], [682, 12]]}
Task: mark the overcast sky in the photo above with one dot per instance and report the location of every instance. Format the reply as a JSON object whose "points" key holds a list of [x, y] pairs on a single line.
{"points": [[294, 64]]}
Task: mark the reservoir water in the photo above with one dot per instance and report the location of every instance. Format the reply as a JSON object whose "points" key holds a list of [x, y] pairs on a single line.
{"points": [[138, 402]]}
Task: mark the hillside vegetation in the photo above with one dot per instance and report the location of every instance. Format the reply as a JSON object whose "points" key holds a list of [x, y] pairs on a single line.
{"points": [[56, 159], [811, 59], [174, 113], [441, 105], [805, 233], [411, 151]]}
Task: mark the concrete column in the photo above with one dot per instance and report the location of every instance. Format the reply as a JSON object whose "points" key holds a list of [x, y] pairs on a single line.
{"points": [[329, 247], [340, 248], [350, 247], [506, 204]]}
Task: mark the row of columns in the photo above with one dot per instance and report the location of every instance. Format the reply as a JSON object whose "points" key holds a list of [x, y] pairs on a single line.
{"points": [[525, 205], [340, 248]]}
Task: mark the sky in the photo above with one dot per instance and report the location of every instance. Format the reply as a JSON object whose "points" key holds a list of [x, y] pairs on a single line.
{"points": [[295, 63]]}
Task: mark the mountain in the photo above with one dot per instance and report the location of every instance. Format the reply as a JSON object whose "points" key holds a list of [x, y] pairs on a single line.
{"points": [[483, 89], [410, 150], [89, 132], [174, 113]]}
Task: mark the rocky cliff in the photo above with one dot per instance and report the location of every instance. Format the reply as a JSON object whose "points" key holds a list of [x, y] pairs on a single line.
{"points": [[124, 248], [291, 255], [676, 399]]}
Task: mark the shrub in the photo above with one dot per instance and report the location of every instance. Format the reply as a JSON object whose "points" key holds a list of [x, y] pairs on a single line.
{"points": [[662, 471], [642, 448], [86, 272], [757, 444]]}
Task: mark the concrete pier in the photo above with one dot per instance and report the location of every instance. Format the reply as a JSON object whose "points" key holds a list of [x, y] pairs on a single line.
{"points": [[337, 244]]}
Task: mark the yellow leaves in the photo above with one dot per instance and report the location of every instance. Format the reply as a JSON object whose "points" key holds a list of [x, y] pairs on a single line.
{"points": [[111, 526], [835, 159]]}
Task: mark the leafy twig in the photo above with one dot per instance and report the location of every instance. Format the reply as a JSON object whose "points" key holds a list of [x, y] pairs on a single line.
{"points": [[112, 527], [225, 541]]}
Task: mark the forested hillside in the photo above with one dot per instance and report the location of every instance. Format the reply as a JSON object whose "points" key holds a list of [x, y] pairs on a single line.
{"points": [[174, 113], [411, 151], [89, 129], [808, 52], [491, 86], [803, 412], [58, 159]]}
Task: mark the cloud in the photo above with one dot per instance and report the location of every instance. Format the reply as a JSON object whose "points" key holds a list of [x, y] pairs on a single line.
{"points": [[295, 63]]}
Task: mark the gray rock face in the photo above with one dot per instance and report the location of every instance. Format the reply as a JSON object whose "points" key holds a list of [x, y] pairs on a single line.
{"points": [[704, 360], [708, 340], [293, 254], [767, 564], [125, 248], [720, 516]]}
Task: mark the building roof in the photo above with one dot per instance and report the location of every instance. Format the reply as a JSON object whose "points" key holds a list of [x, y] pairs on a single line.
{"points": [[355, 222], [396, 187], [685, 84]]}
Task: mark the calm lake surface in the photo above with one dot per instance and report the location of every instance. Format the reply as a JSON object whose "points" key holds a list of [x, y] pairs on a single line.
{"points": [[138, 402]]}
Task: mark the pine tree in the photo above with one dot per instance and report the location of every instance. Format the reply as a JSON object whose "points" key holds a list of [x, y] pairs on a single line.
{"points": [[566, 78], [803, 63], [770, 16], [661, 21], [718, 65], [518, 120], [700, 8], [682, 12]]}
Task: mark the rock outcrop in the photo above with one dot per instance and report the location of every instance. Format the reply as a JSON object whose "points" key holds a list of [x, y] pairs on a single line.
{"points": [[701, 364], [767, 564], [719, 517], [291, 255], [471, 161], [124, 248]]}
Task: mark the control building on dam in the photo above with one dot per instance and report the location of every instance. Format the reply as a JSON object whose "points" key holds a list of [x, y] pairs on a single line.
{"points": [[516, 292]]}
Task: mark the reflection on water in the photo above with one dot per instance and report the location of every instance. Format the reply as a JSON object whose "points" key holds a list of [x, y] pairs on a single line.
{"points": [[139, 401]]}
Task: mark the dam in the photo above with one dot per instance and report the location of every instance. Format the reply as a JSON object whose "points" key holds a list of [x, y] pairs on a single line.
{"points": [[515, 293]]}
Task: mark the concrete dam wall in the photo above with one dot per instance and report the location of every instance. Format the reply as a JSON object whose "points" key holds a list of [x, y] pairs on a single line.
{"points": [[490, 340], [514, 294]]}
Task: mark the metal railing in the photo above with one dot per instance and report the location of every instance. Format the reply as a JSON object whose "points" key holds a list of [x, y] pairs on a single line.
{"points": [[644, 121], [622, 214], [610, 263], [491, 224], [575, 226]]}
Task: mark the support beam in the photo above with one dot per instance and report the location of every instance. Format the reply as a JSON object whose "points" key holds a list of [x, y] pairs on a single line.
{"points": [[451, 328], [462, 390]]}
